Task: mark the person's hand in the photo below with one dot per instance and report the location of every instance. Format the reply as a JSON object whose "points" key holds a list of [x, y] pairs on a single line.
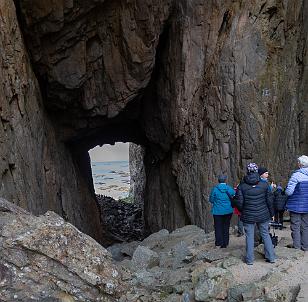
{"points": [[273, 218]]}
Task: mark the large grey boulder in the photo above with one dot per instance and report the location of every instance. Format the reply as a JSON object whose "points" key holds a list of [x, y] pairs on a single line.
{"points": [[213, 285], [144, 258], [47, 258]]}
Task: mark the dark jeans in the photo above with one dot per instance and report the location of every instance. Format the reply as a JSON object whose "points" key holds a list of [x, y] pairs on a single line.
{"points": [[240, 226], [222, 225], [279, 216]]}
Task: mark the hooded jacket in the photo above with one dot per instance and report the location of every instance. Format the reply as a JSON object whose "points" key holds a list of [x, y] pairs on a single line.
{"points": [[297, 190], [220, 200], [254, 199]]}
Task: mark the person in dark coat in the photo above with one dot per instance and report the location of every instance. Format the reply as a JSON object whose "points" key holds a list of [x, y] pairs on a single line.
{"points": [[255, 201], [222, 210], [280, 200]]}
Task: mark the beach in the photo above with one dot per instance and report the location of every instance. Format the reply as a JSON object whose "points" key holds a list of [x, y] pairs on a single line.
{"points": [[111, 178]]}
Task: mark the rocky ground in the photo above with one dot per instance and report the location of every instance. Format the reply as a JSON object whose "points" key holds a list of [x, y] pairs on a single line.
{"points": [[186, 266], [47, 259], [121, 221]]}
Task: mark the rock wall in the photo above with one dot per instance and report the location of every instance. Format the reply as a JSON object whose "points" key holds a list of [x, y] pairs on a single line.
{"points": [[37, 170], [230, 88], [137, 173], [204, 86]]}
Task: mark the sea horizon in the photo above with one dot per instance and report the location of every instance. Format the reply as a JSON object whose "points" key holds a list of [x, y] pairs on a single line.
{"points": [[111, 178]]}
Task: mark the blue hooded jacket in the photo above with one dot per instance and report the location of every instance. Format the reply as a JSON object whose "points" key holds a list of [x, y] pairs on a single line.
{"points": [[297, 190], [221, 203]]}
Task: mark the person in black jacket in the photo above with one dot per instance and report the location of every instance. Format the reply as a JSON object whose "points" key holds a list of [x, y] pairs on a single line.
{"points": [[255, 201], [280, 200]]}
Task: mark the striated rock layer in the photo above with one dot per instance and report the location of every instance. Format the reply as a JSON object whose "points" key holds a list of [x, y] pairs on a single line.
{"points": [[203, 86], [37, 170]]}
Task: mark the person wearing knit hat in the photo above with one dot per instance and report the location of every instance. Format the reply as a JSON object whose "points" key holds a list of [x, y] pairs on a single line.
{"points": [[264, 174], [252, 168], [254, 200], [222, 178], [220, 198]]}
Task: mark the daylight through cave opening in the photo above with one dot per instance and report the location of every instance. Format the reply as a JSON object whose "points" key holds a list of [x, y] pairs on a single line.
{"points": [[119, 183], [110, 170]]}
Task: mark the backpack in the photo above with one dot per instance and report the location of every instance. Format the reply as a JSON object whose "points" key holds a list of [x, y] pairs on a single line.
{"points": [[232, 198]]}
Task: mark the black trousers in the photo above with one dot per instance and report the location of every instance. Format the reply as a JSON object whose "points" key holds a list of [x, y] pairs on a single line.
{"points": [[222, 225], [279, 216]]}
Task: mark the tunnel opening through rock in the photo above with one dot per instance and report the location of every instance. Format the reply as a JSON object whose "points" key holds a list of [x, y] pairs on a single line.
{"points": [[110, 170], [108, 176], [119, 184]]}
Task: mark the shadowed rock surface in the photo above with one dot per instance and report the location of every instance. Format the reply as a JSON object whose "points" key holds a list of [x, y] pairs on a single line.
{"points": [[204, 86], [37, 169], [121, 221]]}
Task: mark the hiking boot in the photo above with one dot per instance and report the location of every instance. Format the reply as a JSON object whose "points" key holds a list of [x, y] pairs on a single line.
{"points": [[291, 246], [249, 263], [270, 261]]}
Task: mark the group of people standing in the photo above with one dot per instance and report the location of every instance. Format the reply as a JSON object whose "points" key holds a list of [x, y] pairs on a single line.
{"points": [[258, 203]]}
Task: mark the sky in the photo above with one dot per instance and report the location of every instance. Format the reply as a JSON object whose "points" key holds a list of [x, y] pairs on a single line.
{"points": [[118, 151]]}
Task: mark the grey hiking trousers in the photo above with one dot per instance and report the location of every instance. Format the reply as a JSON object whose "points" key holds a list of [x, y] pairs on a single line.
{"points": [[299, 230]]}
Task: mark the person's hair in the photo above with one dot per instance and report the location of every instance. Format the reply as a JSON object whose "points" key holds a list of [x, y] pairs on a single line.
{"points": [[303, 161]]}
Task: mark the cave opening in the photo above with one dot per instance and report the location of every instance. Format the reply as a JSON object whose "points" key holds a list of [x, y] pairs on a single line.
{"points": [[110, 171], [119, 182]]}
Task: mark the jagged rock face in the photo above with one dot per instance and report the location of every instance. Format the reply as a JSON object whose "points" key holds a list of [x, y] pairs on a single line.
{"points": [[37, 170], [204, 86], [231, 83], [137, 173]]}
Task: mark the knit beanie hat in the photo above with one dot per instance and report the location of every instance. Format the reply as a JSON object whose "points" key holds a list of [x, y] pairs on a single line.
{"points": [[252, 167], [262, 170], [279, 188], [222, 178]]}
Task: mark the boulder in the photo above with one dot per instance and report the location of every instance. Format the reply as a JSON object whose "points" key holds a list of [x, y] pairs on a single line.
{"points": [[213, 285], [45, 257], [144, 258]]}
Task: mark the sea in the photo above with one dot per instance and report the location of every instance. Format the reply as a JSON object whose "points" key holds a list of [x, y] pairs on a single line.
{"points": [[111, 178]]}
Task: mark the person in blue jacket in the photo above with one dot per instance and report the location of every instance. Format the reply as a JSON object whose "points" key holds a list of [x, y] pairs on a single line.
{"points": [[264, 174], [297, 204], [222, 210]]}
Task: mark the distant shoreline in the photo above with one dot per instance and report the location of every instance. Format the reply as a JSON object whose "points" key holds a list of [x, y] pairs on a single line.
{"points": [[111, 178]]}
